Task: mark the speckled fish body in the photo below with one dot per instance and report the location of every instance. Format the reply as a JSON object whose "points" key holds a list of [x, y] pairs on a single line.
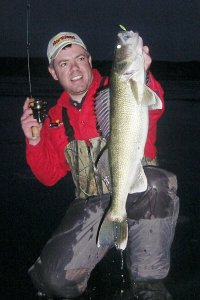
{"points": [[129, 101]]}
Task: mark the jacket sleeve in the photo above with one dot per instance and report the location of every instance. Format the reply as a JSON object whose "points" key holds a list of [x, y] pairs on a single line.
{"points": [[154, 116], [46, 159]]}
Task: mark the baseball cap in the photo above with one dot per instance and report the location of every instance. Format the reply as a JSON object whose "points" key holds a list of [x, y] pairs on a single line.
{"points": [[59, 41]]}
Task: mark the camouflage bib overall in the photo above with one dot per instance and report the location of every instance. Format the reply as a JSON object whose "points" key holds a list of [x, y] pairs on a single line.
{"points": [[82, 156]]}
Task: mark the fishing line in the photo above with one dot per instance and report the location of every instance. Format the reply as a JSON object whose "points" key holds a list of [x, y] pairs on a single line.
{"points": [[28, 17], [38, 106]]}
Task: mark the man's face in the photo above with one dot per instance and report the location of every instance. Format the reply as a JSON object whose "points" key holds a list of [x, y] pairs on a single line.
{"points": [[73, 69]]}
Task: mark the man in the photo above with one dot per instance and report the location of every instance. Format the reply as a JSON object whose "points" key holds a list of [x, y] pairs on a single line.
{"points": [[66, 142]]}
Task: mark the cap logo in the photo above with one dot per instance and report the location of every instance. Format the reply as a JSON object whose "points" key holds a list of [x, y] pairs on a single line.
{"points": [[63, 37]]}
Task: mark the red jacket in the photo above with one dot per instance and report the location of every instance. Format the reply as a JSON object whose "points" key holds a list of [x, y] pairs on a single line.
{"points": [[47, 160]]}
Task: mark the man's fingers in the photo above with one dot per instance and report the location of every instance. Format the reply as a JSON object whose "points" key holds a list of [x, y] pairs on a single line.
{"points": [[26, 103], [146, 49]]}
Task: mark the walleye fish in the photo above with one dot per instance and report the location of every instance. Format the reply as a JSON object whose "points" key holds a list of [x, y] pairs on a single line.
{"points": [[130, 100]]}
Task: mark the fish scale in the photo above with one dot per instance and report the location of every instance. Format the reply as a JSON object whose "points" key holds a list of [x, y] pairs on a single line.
{"points": [[123, 136]]}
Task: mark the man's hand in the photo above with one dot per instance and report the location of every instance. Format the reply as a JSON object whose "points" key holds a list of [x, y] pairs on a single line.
{"points": [[28, 123], [147, 58]]}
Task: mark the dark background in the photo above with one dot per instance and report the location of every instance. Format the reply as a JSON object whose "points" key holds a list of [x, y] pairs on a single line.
{"points": [[170, 28], [29, 211]]}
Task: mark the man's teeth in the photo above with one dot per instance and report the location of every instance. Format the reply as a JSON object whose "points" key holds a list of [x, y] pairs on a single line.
{"points": [[76, 77]]}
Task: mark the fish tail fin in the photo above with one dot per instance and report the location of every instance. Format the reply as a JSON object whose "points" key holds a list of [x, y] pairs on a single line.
{"points": [[113, 232]]}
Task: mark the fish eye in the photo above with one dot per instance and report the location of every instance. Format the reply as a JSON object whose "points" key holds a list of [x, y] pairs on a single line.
{"points": [[119, 46]]}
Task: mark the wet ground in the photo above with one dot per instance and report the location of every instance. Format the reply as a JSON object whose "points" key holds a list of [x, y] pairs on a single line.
{"points": [[30, 211]]}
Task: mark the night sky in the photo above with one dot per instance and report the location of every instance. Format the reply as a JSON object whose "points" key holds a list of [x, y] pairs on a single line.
{"points": [[170, 28]]}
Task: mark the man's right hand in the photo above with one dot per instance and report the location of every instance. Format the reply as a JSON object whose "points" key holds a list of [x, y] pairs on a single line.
{"points": [[28, 123]]}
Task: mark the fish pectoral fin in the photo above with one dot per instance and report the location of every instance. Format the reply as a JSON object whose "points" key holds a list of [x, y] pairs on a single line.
{"points": [[113, 233], [138, 182], [152, 99], [137, 89]]}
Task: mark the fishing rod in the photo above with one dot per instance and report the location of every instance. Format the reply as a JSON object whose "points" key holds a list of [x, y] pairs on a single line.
{"points": [[28, 17], [38, 106]]}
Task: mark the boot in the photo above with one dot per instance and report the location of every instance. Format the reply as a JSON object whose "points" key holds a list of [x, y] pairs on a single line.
{"points": [[150, 290]]}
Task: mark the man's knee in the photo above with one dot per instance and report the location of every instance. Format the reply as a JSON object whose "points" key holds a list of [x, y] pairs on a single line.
{"points": [[164, 187], [152, 220], [159, 200], [160, 179]]}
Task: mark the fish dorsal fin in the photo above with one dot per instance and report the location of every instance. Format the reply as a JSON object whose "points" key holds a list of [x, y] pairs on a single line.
{"points": [[102, 109], [138, 182]]}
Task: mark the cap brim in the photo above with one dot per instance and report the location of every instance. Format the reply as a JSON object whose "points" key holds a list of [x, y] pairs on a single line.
{"points": [[55, 54]]}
